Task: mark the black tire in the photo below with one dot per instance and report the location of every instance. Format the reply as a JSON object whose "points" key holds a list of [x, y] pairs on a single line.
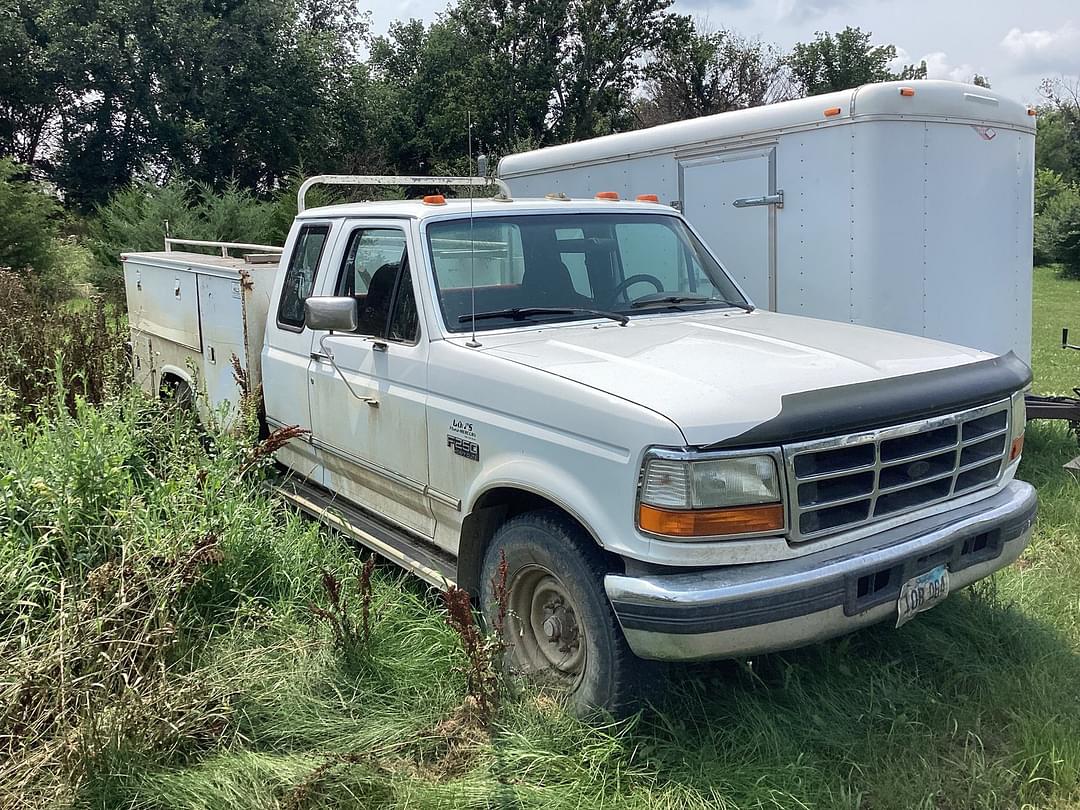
{"points": [[178, 393], [596, 669]]}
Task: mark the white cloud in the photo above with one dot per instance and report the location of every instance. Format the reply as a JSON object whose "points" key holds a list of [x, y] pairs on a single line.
{"points": [[1048, 51], [938, 66], [722, 4], [802, 10]]}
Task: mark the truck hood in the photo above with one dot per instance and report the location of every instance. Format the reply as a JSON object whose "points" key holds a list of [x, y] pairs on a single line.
{"points": [[719, 376]]}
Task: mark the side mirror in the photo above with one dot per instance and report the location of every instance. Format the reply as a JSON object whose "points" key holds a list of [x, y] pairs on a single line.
{"points": [[331, 312]]}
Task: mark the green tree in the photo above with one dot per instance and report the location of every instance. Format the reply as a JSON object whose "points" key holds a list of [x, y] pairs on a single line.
{"points": [[845, 60], [700, 73], [603, 53], [29, 83], [1057, 222], [514, 52], [111, 91], [1057, 138], [426, 91], [29, 219], [529, 72]]}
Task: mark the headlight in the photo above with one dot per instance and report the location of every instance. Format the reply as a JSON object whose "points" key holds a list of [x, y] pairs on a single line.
{"points": [[711, 497], [1017, 424]]}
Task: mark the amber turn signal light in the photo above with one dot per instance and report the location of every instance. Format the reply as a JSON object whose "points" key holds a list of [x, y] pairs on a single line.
{"points": [[1017, 447], [711, 522]]}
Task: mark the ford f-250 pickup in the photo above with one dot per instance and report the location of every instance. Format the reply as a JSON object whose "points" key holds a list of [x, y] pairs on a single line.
{"points": [[577, 387]]}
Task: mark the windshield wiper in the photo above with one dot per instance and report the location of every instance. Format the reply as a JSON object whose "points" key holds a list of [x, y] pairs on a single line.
{"points": [[674, 300], [520, 313]]}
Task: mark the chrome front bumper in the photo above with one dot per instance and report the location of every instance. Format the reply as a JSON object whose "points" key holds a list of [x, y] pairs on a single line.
{"points": [[750, 609]]}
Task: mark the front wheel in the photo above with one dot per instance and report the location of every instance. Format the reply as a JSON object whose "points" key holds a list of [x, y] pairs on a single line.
{"points": [[560, 630]]}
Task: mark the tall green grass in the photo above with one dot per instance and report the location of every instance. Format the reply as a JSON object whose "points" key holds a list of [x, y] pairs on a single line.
{"points": [[158, 650]]}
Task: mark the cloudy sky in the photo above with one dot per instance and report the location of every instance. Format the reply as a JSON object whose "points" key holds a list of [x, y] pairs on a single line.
{"points": [[1014, 43]]}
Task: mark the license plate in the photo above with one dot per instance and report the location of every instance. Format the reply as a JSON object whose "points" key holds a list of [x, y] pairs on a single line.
{"points": [[922, 593]]}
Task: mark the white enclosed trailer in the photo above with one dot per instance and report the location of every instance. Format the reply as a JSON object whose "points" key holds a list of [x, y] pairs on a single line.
{"points": [[901, 205]]}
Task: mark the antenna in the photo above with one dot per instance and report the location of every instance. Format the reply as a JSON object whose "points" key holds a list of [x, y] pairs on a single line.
{"points": [[472, 344]]}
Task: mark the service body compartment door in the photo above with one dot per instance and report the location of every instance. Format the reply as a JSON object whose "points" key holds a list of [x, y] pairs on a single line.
{"points": [[730, 199], [164, 301], [222, 315]]}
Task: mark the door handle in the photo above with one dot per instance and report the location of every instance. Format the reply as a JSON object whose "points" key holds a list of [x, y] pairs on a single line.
{"points": [[776, 199], [328, 357]]}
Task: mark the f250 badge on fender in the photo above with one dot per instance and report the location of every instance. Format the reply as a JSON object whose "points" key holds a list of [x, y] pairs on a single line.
{"points": [[464, 447]]}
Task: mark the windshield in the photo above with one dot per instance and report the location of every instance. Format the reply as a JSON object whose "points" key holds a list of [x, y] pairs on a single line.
{"points": [[576, 265]]}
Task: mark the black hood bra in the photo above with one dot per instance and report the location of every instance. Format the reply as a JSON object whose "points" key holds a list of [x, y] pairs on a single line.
{"points": [[880, 403]]}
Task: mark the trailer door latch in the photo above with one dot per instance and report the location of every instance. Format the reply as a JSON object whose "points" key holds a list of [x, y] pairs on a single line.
{"points": [[776, 199]]}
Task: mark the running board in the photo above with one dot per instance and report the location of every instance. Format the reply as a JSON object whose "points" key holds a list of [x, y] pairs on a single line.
{"points": [[417, 557]]}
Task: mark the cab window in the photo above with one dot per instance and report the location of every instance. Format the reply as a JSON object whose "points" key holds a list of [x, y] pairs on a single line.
{"points": [[375, 271], [300, 276], [651, 249]]}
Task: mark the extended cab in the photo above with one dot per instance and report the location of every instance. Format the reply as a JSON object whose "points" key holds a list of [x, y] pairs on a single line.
{"points": [[579, 389]]}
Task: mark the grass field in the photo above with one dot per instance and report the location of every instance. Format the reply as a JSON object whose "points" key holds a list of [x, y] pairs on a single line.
{"points": [[250, 703], [1056, 304]]}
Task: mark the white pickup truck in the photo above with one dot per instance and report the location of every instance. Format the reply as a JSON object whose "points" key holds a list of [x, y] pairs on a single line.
{"points": [[577, 387]]}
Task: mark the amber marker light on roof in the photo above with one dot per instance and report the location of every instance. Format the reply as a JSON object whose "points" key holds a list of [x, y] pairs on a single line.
{"points": [[1032, 111], [648, 198], [907, 91], [831, 111], [434, 199], [607, 195]]}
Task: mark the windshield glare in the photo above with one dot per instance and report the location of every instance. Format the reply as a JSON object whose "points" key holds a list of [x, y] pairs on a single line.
{"points": [[623, 263]]}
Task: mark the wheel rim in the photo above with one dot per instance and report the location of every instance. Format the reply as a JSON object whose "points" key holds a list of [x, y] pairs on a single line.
{"points": [[546, 636]]}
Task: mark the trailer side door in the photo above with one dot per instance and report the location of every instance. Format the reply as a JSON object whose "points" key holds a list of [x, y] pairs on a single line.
{"points": [[731, 199]]}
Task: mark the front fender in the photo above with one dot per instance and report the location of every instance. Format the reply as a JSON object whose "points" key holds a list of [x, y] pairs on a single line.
{"points": [[573, 488]]}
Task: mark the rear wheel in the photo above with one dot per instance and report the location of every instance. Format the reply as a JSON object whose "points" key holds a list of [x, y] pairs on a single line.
{"points": [[179, 394], [560, 630]]}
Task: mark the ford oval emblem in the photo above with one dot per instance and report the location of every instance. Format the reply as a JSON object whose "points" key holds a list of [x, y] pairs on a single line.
{"points": [[918, 469]]}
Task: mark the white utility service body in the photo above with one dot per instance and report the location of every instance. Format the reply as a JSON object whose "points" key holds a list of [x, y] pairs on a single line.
{"points": [[678, 475], [189, 308], [910, 212]]}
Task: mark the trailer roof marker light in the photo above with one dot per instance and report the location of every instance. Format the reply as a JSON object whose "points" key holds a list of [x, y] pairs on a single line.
{"points": [[907, 91], [557, 195], [1032, 111], [650, 198], [831, 111], [434, 199], [607, 195]]}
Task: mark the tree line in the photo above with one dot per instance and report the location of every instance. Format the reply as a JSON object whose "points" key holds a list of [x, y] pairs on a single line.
{"points": [[191, 109], [95, 94]]}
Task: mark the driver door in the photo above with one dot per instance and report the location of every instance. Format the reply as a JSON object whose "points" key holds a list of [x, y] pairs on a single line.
{"points": [[369, 414]]}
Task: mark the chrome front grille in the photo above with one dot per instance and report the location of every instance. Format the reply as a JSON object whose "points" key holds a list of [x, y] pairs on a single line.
{"points": [[839, 483]]}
